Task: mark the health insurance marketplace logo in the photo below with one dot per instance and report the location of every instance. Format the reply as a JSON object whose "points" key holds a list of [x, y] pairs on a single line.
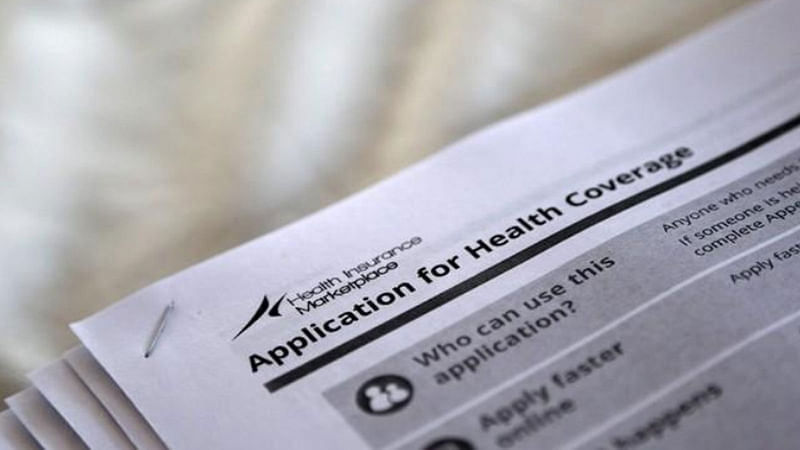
{"points": [[264, 308], [333, 287]]}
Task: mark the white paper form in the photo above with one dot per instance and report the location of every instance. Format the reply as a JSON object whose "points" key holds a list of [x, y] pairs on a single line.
{"points": [[14, 435], [59, 384], [43, 422], [109, 394], [312, 336]]}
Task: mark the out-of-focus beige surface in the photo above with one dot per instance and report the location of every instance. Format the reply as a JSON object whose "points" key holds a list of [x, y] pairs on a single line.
{"points": [[139, 137]]}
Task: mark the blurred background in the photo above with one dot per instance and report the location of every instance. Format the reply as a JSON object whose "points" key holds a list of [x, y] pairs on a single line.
{"points": [[140, 137]]}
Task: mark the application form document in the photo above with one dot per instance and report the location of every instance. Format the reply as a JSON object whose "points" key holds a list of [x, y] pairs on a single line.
{"points": [[618, 269]]}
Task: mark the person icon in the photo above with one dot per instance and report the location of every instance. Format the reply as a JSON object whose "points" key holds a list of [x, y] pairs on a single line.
{"points": [[384, 394], [379, 399]]}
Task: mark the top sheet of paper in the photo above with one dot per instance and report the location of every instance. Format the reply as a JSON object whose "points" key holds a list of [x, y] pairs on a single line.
{"points": [[585, 274]]}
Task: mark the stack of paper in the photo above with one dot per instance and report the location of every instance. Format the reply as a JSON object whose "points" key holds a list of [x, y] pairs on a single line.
{"points": [[618, 269]]}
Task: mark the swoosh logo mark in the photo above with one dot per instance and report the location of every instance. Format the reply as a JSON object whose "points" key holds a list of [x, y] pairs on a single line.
{"points": [[263, 308]]}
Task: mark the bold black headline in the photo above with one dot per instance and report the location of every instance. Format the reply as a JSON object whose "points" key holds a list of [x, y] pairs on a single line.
{"points": [[541, 217]]}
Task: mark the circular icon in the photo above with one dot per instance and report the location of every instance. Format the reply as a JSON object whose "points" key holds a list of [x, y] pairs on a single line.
{"points": [[450, 443], [384, 394]]}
